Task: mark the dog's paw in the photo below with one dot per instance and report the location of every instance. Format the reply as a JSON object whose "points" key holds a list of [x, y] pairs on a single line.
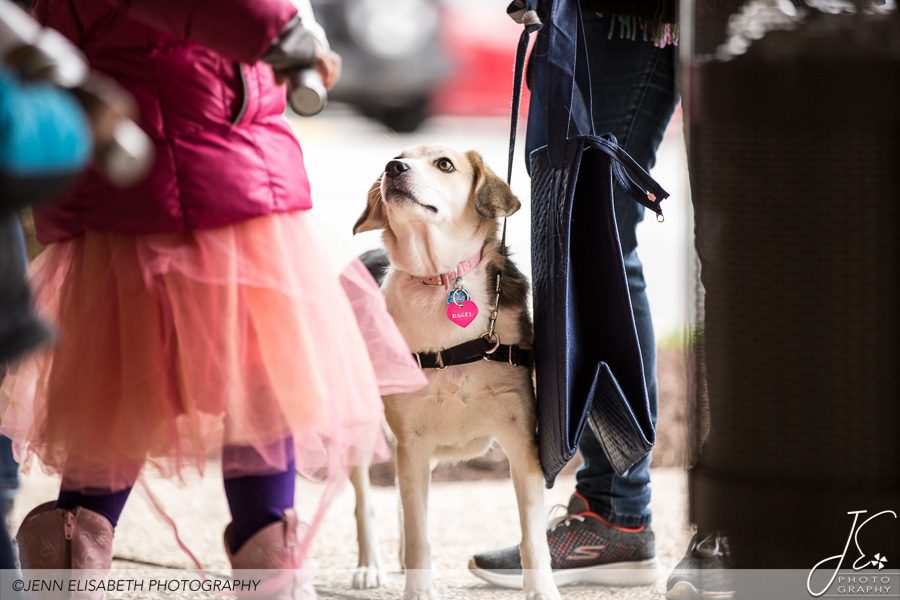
{"points": [[420, 595], [367, 577]]}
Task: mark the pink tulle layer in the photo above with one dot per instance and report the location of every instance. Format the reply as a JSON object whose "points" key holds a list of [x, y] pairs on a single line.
{"points": [[174, 345]]}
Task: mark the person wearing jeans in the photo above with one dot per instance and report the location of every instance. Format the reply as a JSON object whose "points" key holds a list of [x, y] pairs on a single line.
{"points": [[605, 535], [634, 97]]}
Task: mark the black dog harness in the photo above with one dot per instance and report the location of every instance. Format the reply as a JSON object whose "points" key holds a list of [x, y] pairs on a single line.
{"points": [[483, 348], [486, 347]]}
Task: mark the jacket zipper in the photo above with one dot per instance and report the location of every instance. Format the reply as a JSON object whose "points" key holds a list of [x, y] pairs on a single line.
{"points": [[244, 99]]}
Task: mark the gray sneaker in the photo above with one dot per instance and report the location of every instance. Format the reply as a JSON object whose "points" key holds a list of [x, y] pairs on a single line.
{"points": [[702, 573], [584, 549]]}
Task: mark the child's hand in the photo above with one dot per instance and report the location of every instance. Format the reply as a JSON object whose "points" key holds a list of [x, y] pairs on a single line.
{"points": [[328, 64]]}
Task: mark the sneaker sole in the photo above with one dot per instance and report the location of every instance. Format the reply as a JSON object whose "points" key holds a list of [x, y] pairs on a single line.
{"points": [[625, 574], [684, 590]]}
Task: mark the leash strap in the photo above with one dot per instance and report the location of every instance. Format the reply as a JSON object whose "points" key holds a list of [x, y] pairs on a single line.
{"points": [[488, 346], [530, 23], [472, 351]]}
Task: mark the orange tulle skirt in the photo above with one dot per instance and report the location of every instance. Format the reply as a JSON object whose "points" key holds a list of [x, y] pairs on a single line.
{"points": [[172, 346]]}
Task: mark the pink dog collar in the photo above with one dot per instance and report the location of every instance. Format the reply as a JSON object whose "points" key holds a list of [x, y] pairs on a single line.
{"points": [[444, 278]]}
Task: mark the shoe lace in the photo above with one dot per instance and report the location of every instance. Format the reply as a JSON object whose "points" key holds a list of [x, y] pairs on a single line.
{"points": [[563, 516], [710, 546]]}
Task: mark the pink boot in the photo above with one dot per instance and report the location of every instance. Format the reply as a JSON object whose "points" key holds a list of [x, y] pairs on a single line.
{"points": [[60, 539], [273, 555], [54, 538]]}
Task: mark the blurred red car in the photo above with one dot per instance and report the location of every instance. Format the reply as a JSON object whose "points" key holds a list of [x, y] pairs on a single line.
{"points": [[405, 60], [480, 40], [393, 59]]}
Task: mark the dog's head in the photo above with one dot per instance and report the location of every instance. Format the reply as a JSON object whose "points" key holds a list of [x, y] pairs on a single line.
{"points": [[435, 193]]}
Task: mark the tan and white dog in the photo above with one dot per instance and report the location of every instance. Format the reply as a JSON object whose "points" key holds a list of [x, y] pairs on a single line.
{"points": [[438, 208]]}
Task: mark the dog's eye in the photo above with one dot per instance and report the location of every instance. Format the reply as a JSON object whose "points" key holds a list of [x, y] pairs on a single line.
{"points": [[445, 165]]}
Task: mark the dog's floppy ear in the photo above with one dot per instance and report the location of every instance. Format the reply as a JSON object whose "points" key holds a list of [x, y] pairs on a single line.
{"points": [[493, 198], [373, 216]]}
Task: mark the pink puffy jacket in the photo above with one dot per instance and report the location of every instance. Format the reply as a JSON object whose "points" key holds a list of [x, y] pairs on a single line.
{"points": [[224, 151]]}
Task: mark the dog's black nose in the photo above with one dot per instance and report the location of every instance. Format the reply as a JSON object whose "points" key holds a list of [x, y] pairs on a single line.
{"points": [[395, 168]]}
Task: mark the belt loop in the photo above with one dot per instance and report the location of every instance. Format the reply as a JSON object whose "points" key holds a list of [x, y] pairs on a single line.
{"points": [[510, 354], [440, 360], [418, 359]]}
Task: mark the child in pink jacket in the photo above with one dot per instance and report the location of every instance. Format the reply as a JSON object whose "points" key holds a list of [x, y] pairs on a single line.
{"points": [[200, 310]]}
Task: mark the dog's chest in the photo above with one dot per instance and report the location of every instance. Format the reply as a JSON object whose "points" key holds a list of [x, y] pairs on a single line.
{"points": [[461, 404], [421, 314]]}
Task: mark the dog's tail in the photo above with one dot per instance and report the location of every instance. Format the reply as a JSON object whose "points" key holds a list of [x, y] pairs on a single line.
{"points": [[376, 261]]}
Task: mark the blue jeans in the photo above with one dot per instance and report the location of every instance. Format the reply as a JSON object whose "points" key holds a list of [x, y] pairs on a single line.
{"points": [[13, 245], [633, 88]]}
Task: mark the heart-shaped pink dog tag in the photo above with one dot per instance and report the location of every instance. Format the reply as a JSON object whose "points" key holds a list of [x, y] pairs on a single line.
{"points": [[462, 314]]}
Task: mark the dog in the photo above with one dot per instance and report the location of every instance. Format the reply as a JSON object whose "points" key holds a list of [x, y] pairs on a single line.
{"points": [[439, 210]]}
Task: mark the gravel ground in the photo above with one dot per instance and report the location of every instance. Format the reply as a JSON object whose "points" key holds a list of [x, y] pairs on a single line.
{"points": [[465, 517]]}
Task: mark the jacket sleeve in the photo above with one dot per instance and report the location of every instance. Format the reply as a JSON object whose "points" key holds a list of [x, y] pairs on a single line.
{"points": [[308, 19], [240, 29]]}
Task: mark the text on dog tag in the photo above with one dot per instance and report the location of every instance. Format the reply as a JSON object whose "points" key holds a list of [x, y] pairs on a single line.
{"points": [[463, 313]]}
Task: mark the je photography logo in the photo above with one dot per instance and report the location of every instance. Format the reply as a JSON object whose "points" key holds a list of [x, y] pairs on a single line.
{"points": [[866, 578]]}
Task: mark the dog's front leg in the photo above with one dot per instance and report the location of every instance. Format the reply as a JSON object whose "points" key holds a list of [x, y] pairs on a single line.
{"points": [[414, 475], [525, 468], [369, 572]]}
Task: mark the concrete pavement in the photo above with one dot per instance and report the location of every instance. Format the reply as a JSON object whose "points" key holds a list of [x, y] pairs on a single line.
{"points": [[464, 517]]}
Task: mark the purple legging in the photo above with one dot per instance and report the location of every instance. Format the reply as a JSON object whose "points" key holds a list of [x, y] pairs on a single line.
{"points": [[255, 501]]}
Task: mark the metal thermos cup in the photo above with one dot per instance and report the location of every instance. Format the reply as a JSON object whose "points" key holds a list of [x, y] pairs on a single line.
{"points": [[307, 94]]}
